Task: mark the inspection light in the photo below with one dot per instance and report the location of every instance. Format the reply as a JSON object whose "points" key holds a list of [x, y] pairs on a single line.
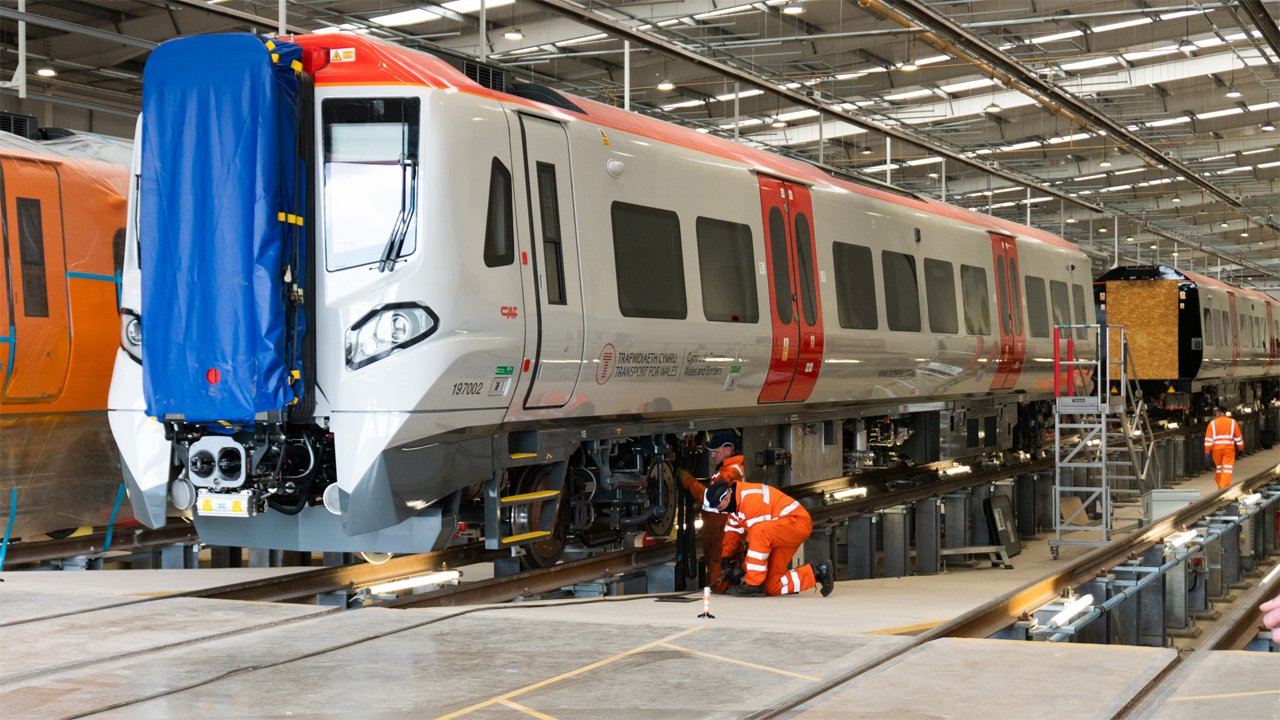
{"points": [[793, 9], [958, 470], [46, 72], [848, 493], [1177, 198], [435, 578], [1251, 499], [513, 34], [1074, 608], [1233, 92], [1177, 540], [779, 123], [993, 108], [1267, 126], [1173, 426]]}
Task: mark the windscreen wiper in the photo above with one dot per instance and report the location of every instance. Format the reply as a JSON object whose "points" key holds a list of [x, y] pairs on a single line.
{"points": [[408, 206]]}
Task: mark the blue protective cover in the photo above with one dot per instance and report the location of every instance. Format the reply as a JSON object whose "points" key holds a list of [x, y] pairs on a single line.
{"points": [[219, 166]]}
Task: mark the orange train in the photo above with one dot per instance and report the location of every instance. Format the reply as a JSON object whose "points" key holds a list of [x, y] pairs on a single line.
{"points": [[63, 219]]}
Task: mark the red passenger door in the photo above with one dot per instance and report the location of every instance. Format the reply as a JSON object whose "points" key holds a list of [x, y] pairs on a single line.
{"points": [[1013, 344], [1235, 334], [39, 347], [794, 300], [1268, 332]]}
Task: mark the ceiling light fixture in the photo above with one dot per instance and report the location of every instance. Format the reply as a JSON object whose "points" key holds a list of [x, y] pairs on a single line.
{"points": [[866, 149], [1223, 224], [1187, 46], [1071, 221], [909, 66], [993, 108], [1177, 199], [666, 85], [1102, 230], [1155, 247], [779, 123], [513, 34], [1232, 92], [793, 9], [46, 72], [1129, 239], [1244, 234], [933, 175], [1268, 127]]}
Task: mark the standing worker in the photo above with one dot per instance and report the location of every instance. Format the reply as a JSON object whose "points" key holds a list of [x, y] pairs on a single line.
{"points": [[1221, 440], [774, 526], [728, 464]]}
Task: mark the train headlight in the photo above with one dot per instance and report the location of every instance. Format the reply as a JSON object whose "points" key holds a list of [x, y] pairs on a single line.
{"points": [[131, 334], [388, 329]]}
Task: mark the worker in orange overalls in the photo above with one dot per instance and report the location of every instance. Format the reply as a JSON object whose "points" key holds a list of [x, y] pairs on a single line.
{"points": [[728, 464], [1221, 440], [774, 526]]}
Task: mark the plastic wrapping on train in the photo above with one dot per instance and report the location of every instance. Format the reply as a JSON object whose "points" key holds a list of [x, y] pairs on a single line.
{"points": [[223, 199]]}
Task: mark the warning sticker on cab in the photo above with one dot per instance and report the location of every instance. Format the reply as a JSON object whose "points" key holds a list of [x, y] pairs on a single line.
{"points": [[342, 55], [223, 504]]}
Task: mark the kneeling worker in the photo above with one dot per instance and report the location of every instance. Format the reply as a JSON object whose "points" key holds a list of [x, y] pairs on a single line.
{"points": [[728, 464], [774, 526]]}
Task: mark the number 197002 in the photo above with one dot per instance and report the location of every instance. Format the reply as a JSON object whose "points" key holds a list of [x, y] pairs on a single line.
{"points": [[467, 388]]}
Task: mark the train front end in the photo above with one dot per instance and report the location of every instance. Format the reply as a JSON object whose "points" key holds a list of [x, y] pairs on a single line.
{"points": [[221, 404]]}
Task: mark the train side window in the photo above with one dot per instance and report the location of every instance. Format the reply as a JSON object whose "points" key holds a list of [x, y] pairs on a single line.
{"points": [[1059, 303], [977, 304], [726, 264], [1206, 330], [940, 291], [648, 262], [35, 293], [1015, 296], [1081, 302], [804, 263], [552, 255], [855, 286], [781, 266], [901, 291], [370, 178], [1225, 331], [499, 245], [1037, 307]]}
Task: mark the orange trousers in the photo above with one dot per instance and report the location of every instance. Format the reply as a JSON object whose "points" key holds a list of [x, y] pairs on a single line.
{"points": [[1224, 458], [778, 540], [712, 541]]}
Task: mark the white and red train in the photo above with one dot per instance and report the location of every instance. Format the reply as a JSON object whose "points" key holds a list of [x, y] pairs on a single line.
{"points": [[576, 284]]}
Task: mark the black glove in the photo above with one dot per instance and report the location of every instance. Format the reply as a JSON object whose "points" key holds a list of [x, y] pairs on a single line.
{"points": [[1208, 457], [732, 571]]}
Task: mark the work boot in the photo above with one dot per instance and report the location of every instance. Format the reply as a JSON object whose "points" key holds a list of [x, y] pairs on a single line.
{"points": [[822, 574], [745, 590]]}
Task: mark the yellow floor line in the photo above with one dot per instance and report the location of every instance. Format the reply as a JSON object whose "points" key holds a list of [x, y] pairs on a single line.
{"points": [[1227, 695], [909, 628], [569, 674], [739, 662], [525, 710]]}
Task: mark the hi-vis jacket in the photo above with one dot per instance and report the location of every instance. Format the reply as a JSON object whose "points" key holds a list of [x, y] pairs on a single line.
{"points": [[757, 504], [1223, 432]]}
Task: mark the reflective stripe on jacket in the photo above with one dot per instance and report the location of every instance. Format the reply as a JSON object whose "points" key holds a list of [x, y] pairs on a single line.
{"points": [[1223, 432], [759, 503]]}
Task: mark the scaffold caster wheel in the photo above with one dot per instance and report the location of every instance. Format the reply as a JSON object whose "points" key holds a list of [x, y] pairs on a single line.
{"points": [[1053, 550]]}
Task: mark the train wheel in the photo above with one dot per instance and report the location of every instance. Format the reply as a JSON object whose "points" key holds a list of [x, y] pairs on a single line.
{"points": [[528, 518], [661, 527]]}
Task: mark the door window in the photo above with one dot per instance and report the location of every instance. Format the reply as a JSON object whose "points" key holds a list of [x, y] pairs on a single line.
{"points": [[35, 293], [1015, 297], [804, 261], [781, 267], [1002, 296], [549, 212]]}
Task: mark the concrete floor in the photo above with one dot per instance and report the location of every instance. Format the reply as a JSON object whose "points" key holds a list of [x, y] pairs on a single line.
{"points": [[195, 658], [1223, 685]]}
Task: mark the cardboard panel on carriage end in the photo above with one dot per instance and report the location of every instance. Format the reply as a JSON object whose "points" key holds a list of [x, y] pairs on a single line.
{"points": [[1148, 310]]}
